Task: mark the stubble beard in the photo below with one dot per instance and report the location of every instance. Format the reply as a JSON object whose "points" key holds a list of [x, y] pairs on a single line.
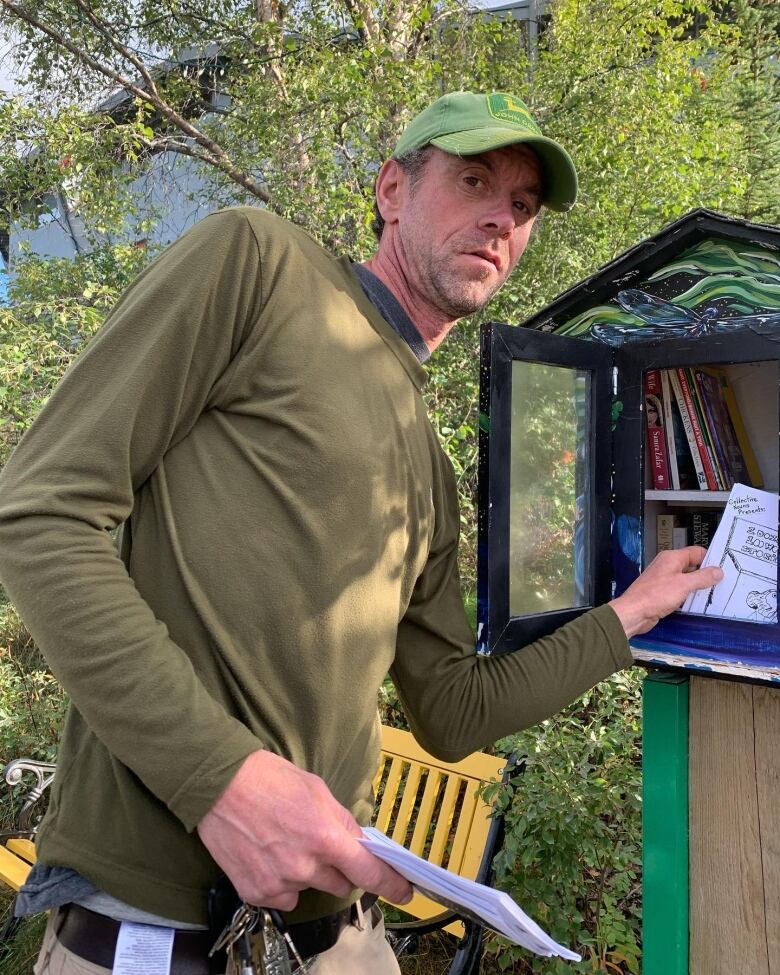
{"points": [[455, 294]]}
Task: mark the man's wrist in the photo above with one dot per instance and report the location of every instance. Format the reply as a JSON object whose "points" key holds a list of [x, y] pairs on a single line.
{"points": [[631, 619]]}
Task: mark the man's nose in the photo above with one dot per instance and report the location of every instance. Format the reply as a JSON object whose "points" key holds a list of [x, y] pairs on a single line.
{"points": [[499, 219]]}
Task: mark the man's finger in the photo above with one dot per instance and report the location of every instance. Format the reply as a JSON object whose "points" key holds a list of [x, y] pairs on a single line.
{"points": [[280, 899], [282, 902], [691, 556], [704, 578], [334, 882], [372, 874]]}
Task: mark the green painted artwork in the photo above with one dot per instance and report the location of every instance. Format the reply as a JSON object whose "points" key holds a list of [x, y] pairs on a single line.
{"points": [[715, 286]]}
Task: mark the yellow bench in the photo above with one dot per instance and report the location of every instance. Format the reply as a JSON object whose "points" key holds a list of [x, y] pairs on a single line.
{"points": [[429, 806], [434, 809], [17, 856]]}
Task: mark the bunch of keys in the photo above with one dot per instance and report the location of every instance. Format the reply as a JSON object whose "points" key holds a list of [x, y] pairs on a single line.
{"points": [[273, 940]]}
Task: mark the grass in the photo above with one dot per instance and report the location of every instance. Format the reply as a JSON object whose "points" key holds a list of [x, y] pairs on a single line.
{"points": [[18, 957], [432, 958]]}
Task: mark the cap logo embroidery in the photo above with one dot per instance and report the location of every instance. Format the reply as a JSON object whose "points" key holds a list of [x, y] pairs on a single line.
{"points": [[506, 109]]}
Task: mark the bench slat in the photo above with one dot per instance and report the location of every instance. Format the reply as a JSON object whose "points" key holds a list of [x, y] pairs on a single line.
{"points": [[406, 809], [465, 827], [477, 766], [13, 870], [445, 816], [426, 811], [391, 791], [23, 848]]}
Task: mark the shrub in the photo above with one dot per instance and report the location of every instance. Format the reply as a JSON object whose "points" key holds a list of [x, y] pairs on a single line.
{"points": [[32, 703], [572, 853], [32, 707]]}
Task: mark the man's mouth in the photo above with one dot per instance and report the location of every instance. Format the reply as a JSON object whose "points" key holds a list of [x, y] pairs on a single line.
{"points": [[494, 259]]}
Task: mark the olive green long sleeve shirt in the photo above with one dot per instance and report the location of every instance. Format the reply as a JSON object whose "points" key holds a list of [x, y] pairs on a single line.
{"points": [[289, 535]]}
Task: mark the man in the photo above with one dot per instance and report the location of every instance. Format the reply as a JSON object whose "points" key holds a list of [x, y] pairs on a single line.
{"points": [[251, 414]]}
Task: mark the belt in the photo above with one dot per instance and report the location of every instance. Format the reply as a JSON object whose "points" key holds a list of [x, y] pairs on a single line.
{"points": [[93, 937]]}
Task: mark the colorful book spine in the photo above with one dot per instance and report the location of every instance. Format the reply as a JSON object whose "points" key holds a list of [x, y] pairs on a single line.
{"points": [[708, 434], [743, 440], [711, 482], [656, 441], [666, 403], [701, 477], [708, 389], [728, 435], [685, 466]]}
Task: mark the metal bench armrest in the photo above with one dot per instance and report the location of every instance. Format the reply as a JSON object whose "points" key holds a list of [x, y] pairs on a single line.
{"points": [[44, 776]]}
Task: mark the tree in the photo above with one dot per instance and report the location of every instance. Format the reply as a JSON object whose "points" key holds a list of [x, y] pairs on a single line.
{"points": [[754, 102], [276, 100]]}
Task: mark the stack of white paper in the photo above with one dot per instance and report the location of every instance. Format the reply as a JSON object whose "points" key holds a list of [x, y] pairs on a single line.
{"points": [[487, 906], [745, 547]]}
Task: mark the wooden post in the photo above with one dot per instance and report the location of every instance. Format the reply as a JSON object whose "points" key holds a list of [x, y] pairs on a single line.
{"points": [[734, 828], [665, 825]]}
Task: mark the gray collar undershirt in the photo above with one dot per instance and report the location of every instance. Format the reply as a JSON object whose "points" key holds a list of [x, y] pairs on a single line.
{"points": [[388, 306]]}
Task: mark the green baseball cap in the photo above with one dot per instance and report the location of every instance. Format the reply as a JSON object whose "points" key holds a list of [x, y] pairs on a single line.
{"points": [[464, 123]]}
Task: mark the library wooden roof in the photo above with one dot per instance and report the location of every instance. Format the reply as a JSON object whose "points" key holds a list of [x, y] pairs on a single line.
{"points": [[646, 257]]}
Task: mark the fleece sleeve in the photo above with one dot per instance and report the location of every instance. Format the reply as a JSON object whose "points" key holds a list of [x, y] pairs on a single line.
{"points": [[457, 701], [136, 391]]}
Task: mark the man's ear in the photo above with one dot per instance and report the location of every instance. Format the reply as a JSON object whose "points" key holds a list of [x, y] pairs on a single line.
{"points": [[391, 184]]}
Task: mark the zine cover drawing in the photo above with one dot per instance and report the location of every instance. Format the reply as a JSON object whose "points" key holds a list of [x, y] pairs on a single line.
{"points": [[745, 547]]}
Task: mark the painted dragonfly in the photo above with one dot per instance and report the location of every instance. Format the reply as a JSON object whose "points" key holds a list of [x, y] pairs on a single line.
{"points": [[665, 319]]}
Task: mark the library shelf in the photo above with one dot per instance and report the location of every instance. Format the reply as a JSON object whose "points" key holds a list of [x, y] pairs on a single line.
{"points": [[696, 497]]}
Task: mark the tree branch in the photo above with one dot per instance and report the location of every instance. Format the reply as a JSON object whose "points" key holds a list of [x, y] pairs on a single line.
{"points": [[101, 27], [213, 153]]}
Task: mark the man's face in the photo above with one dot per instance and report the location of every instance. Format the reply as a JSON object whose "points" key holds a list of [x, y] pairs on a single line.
{"points": [[465, 223]]}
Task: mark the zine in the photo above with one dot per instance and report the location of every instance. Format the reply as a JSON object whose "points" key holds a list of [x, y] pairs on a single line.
{"points": [[745, 547]]}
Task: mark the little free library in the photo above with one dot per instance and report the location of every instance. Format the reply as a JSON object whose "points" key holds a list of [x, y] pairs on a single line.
{"points": [[617, 421]]}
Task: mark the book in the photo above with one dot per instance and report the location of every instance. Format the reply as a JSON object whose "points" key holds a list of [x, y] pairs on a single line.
{"points": [[679, 536], [702, 523], [737, 439], [708, 387], [709, 435], [690, 435], [745, 547], [686, 472], [670, 431], [711, 482], [492, 908], [656, 438], [664, 532]]}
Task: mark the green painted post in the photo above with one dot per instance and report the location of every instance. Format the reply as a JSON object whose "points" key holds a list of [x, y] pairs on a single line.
{"points": [[665, 825]]}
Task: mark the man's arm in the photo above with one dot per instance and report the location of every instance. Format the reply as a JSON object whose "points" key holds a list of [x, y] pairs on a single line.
{"points": [[138, 390], [458, 702]]}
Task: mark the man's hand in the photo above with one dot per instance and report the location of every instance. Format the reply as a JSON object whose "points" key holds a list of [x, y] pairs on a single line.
{"points": [[277, 830], [663, 587]]}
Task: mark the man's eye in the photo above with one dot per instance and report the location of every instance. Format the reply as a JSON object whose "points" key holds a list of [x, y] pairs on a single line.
{"points": [[522, 206], [473, 180]]}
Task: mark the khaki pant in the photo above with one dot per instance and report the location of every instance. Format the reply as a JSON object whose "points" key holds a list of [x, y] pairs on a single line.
{"points": [[360, 950]]}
